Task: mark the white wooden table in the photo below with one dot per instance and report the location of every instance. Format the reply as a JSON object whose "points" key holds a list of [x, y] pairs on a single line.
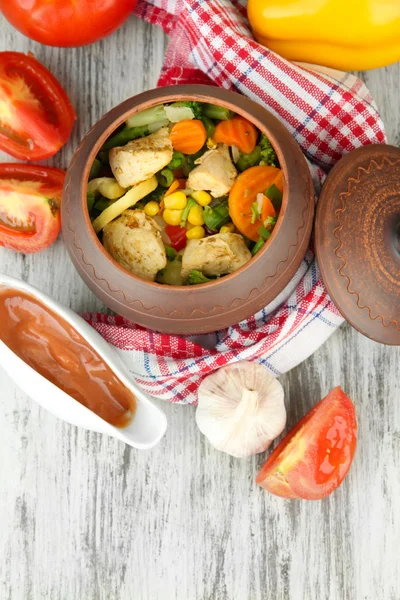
{"points": [[83, 517]]}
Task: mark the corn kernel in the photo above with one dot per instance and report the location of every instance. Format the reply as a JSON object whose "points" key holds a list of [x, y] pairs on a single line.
{"points": [[195, 216], [211, 144], [172, 216], [228, 228], [202, 198], [151, 209], [196, 233], [176, 200]]}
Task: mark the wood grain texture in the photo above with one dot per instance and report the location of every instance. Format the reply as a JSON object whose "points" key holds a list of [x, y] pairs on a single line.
{"points": [[84, 517]]}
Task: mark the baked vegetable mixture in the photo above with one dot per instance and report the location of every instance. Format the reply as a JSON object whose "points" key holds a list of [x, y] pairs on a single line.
{"points": [[185, 193]]}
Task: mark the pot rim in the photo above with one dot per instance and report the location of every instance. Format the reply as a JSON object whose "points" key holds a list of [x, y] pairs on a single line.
{"points": [[171, 94]]}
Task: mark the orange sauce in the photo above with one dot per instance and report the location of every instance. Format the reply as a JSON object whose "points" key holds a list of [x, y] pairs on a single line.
{"points": [[52, 347]]}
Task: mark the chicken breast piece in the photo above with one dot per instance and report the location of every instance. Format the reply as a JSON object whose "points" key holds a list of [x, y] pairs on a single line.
{"points": [[134, 241], [140, 159], [215, 172], [217, 254]]}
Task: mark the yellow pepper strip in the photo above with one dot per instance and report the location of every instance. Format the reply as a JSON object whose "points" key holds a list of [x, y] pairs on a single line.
{"points": [[352, 36], [135, 194]]}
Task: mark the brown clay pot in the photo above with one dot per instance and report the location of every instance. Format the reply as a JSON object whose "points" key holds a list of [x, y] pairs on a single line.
{"points": [[201, 308]]}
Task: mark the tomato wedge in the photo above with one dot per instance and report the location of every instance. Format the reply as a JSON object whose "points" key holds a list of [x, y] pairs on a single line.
{"points": [[36, 116], [314, 457], [244, 193], [30, 199]]}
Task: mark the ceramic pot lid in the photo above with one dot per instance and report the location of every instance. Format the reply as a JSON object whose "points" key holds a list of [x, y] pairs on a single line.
{"points": [[357, 237]]}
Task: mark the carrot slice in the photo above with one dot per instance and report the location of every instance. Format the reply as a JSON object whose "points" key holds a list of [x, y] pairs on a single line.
{"points": [[174, 186], [268, 209], [188, 136], [177, 184], [244, 192], [279, 181], [236, 132]]}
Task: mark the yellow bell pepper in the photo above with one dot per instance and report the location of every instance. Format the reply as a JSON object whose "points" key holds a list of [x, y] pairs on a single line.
{"points": [[350, 35]]}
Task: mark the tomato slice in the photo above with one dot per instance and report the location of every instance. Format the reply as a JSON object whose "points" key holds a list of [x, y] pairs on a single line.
{"points": [[30, 198], [177, 235], [36, 116], [315, 456]]}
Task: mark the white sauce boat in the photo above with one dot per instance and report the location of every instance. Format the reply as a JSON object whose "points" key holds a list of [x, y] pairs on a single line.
{"points": [[149, 423]]}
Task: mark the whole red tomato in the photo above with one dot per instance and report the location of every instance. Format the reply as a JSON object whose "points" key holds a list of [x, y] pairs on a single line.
{"points": [[66, 22]]}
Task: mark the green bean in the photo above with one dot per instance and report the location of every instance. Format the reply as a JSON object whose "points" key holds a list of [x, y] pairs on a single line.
{"points": [[275, 195], [216, 216], [95, 169], [249, 160], [165, 177], [177, 161], [157, 195], [264, 233], [209, 126], [90, 201], [170, 252], [190, 160], [102, 203], [124, 136], [103, 157], [257, 246], [212, 111], [94, 214]]}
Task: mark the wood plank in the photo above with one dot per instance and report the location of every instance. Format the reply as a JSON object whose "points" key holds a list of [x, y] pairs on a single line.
{"points": [[84, 517]]}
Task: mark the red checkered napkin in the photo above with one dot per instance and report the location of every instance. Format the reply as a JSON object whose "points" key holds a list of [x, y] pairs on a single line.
{"points": [[329, 113]]}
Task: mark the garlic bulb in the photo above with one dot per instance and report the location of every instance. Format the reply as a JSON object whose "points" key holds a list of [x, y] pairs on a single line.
{"points": [[241, 409]]}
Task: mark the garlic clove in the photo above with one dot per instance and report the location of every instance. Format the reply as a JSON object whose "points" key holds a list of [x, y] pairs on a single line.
{"points": [[241, 409], [235, 153]]}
